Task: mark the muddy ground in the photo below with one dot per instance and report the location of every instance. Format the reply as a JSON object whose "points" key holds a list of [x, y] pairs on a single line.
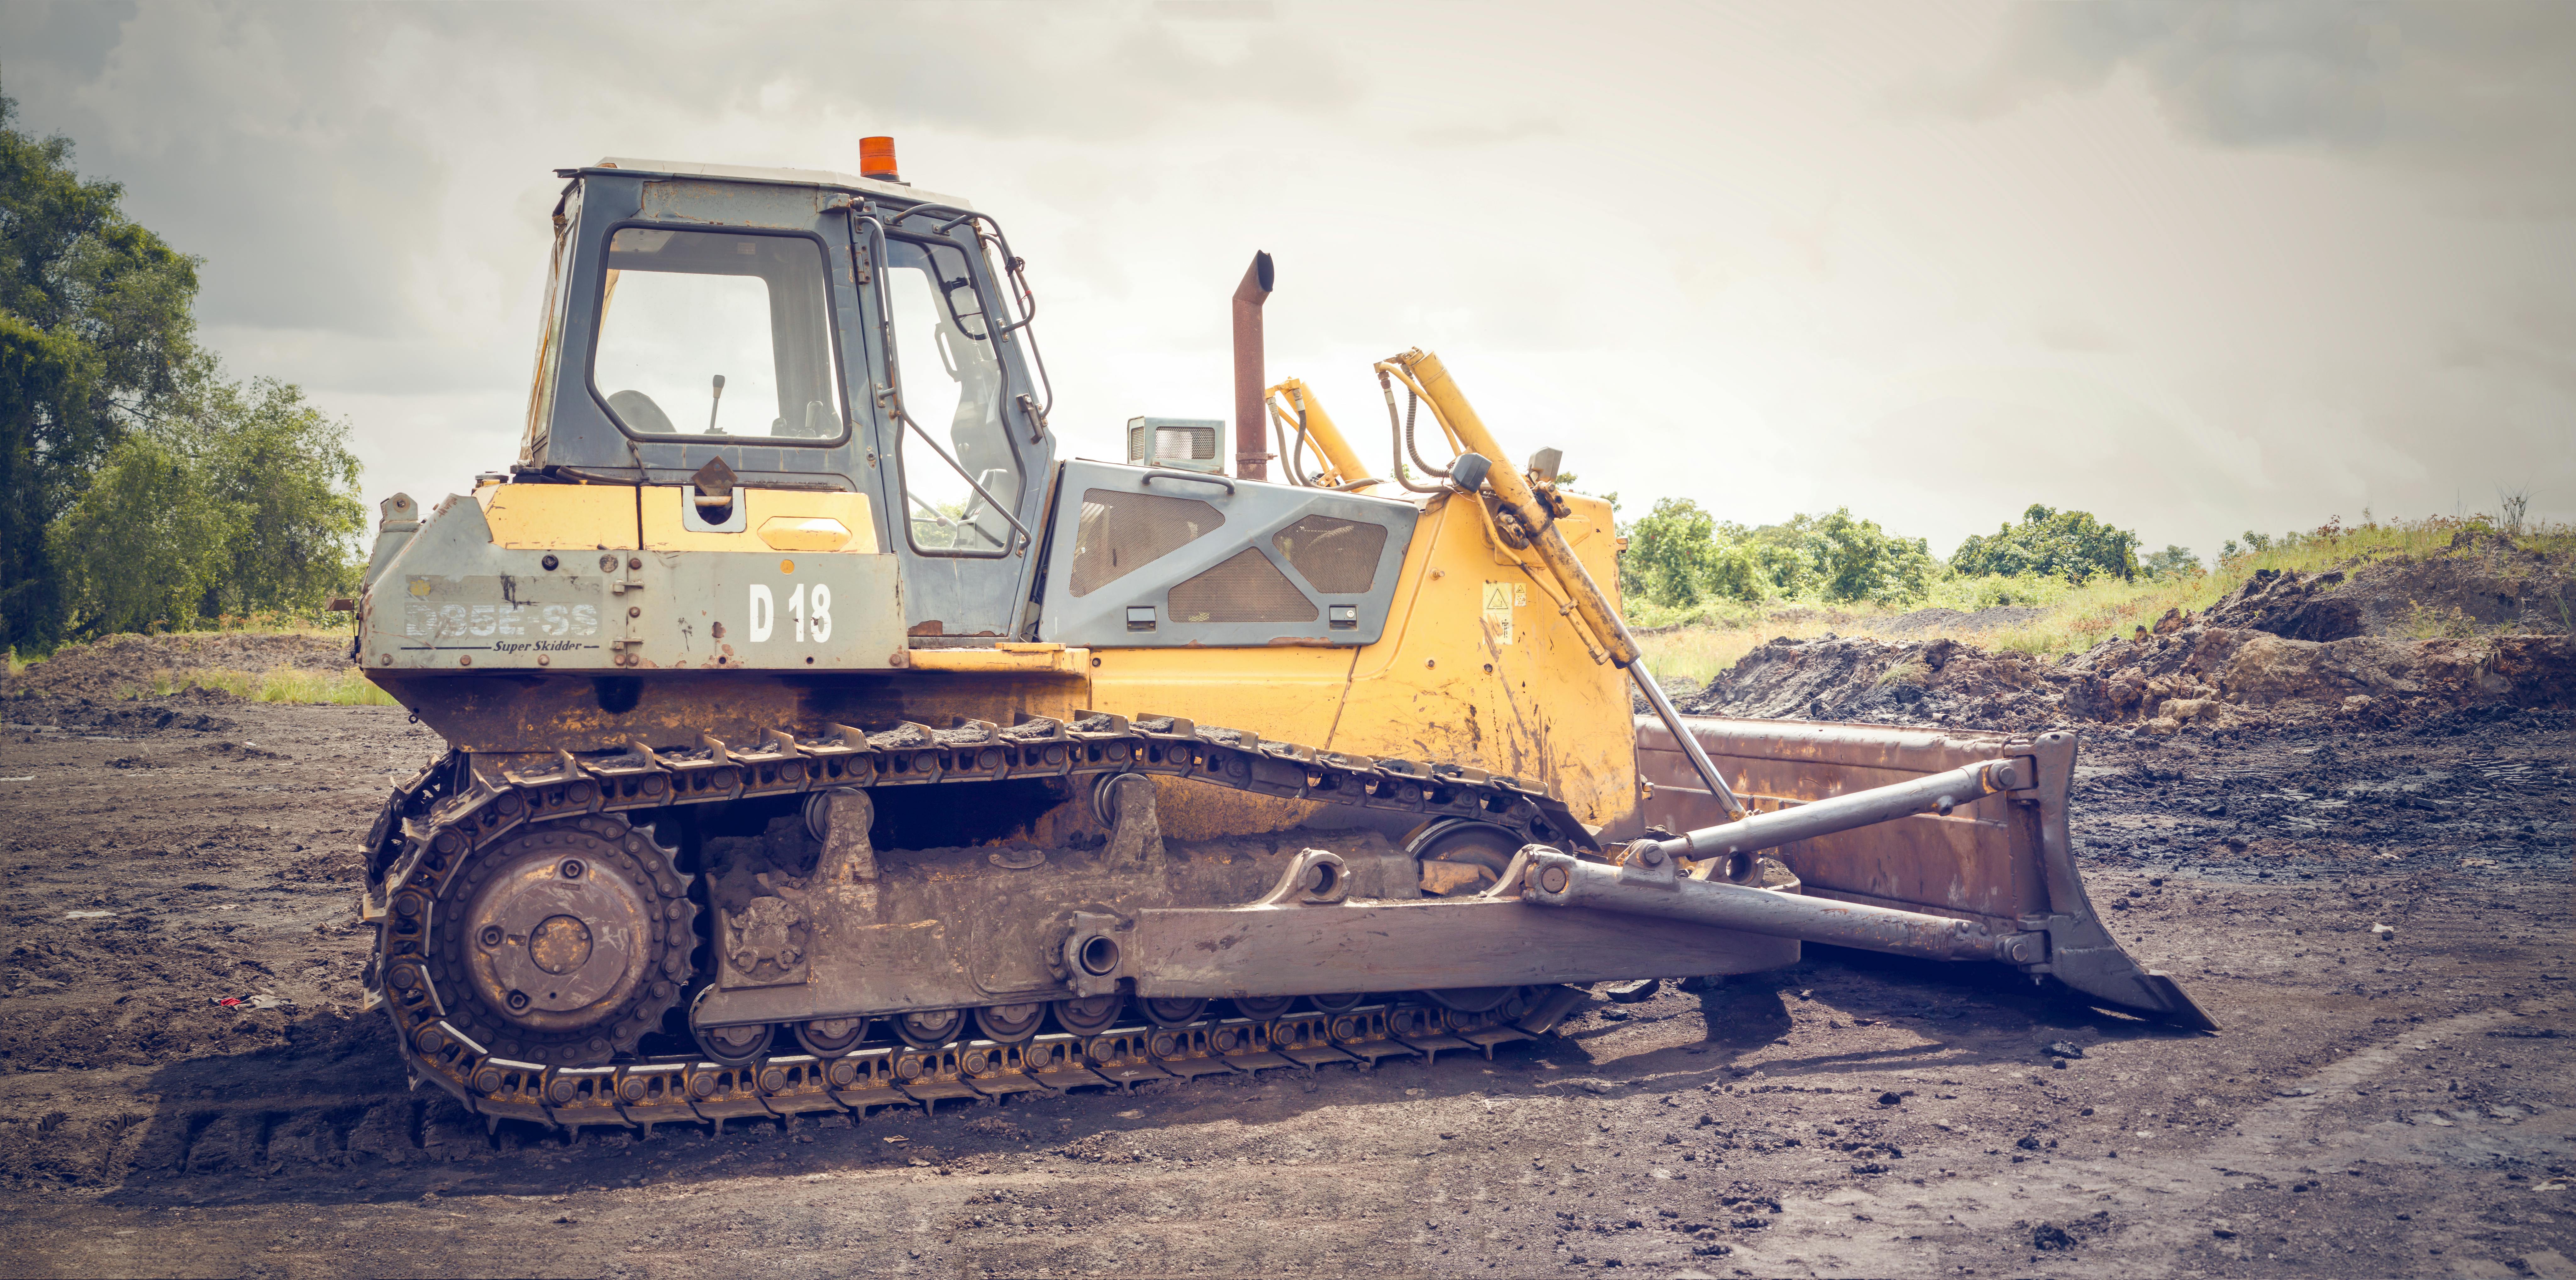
{"points": [[124, 666], [2373, 1106]]}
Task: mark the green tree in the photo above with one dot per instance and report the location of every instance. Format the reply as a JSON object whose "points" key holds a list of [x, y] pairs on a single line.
{"points": [[287, 474], [144, 545], [1678, 555], [238, 498], [2172, 562], [95, 333], [2064, 544], [1669, 554], [1856, 560]]}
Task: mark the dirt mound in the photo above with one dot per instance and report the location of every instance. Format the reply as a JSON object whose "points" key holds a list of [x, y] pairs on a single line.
{"points": [[2483, 624], [1994, 618], [120, 666], [2213, 676], [2482, 583], [2222, 674], [1928, 682]]}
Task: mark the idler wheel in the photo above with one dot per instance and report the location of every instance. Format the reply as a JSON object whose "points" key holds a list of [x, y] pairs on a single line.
{"points": [[564, 943], [1262, 1008], [1462, 857], [930, 1028], [831, 1037], [1174, 1013], [1010, 1023], [1089, 1015]]}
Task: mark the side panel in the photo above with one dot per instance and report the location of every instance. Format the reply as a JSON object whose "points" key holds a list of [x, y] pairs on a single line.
{"points": [[772, 520], [526, 517], [455, 599], [1477, 667], [507, 712], [1213, 562]]}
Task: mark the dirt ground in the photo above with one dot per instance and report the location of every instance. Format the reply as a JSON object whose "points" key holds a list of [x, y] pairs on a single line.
{"points": [[2398, 1105], [126, 665]]}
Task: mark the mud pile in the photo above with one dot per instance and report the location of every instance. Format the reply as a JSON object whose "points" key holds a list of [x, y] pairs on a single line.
{"points": [[1858, 679], [122, 666], [2213, 676], [2384, 641], [2483, 583], [1992, 618]]}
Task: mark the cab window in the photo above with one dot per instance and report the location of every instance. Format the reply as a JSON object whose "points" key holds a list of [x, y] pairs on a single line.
{"points": [[961, 471], [706, 333]]}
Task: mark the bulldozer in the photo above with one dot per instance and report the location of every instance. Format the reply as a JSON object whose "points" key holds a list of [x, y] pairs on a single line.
{"points": [[818, 738]]}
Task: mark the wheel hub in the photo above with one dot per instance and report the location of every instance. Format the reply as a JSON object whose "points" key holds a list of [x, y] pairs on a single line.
{"points": [[568, 937], [565, 942]]}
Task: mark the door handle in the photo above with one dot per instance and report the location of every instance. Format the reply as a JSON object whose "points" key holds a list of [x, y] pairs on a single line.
{"points": [[1198, 477]]}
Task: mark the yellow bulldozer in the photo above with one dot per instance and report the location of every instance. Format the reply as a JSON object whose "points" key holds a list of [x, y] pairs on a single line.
{"points": [[868, 753]]}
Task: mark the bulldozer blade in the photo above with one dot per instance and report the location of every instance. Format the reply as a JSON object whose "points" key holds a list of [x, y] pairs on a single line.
{"points": [[2003, 863]]}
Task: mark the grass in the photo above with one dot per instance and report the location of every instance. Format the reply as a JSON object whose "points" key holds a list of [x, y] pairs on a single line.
{"points": [[345, 688], [1709, 637]]}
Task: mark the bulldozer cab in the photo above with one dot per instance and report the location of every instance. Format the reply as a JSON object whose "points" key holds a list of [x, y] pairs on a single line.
{"points": [[712, 328]]}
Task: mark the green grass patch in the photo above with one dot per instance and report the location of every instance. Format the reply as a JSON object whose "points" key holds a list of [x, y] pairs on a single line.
{"points": [[346, 688]]}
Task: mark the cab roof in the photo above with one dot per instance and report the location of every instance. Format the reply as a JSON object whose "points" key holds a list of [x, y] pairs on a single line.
{"points": [[785, 177]]}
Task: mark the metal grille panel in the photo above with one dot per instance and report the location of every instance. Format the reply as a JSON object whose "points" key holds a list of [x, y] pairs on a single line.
{"points": [[1338, 557], [1244, 588], [1123, 532]]}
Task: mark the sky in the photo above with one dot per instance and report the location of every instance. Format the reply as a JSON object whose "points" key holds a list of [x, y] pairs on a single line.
{"points": [[2196, 268]]}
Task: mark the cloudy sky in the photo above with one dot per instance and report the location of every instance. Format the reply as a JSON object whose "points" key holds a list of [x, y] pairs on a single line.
{"points": [[2192, 267]]}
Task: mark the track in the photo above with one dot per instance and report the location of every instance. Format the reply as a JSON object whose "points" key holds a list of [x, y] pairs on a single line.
{"points": [[441, 834]]}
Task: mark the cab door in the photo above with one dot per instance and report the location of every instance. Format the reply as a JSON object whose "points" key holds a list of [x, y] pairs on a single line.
{"points": [[963, 455]]}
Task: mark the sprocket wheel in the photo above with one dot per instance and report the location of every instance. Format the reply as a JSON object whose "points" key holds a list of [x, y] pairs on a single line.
{"points": [[566, 942]]}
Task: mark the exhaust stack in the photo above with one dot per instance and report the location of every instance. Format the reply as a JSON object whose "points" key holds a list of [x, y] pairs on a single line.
{"points": [[1251, 461]]}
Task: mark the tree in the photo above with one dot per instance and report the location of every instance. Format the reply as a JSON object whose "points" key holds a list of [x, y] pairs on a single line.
{"points": [[238, 498], [1679, 554], [2062, 544], [144, 545], [286, 472], [2172, 562], [1669, 554], [95, 333], [1856, 560]]}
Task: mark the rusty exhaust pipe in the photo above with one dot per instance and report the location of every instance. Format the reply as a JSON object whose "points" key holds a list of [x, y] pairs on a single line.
{"points": [[1251, 462]]}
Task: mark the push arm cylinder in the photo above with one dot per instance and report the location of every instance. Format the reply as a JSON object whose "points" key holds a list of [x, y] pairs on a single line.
{"points": [[1558, 879], [1937, 792], [1514, 490], [1522, 504]]}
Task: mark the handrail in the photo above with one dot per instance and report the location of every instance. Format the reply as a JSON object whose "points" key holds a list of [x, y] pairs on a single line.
{"points": [[1193, 476]]}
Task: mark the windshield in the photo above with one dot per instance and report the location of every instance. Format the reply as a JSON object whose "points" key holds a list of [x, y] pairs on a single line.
{"points": [[952, 388], [717, 333]]}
